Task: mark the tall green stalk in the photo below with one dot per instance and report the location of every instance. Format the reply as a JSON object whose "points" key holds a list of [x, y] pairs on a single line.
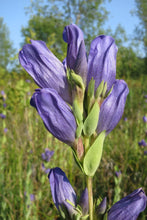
{"points": [[90, 196]]}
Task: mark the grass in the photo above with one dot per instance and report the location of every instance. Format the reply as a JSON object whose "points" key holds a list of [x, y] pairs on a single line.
{"points": [[21, 147]]}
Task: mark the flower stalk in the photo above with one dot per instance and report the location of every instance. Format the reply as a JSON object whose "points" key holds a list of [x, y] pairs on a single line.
{"points": [[90, 196]]}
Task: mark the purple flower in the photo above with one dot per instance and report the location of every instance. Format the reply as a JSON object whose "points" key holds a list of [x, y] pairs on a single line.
{"points": [[56, 114], [118, 173], [102, 61], [5, 130], [142, 143], [63, 194], [47, 155], [112, 107], [2, 93], [84, 203], [46, 70], [76, 53], [102, 206], [28, 80], [2, 116], [145, 152], [129, 207], [144, 119], [125, 119], [44, 169], [4, 105], [32, 197]]}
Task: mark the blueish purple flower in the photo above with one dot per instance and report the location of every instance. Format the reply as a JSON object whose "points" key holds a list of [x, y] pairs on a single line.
{"points": [[32, 197], [47, 155], [46, 70], [125, 118], [63, 194], [102, 61], [101, 209], [2, 116], [28, 80], [145, 119], [44, 169], [118, 173], [145, 152], [56, 114], [4, 105], [5, 130], [142, 143], [2, 93], [84, 202], [129, 207], [112, 107], [76, 52]]}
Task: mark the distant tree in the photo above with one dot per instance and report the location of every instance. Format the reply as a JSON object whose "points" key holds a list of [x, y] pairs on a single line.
{"points": [[128, 64], [141, 30], [48, 19], [119, 35], [48, 29], [6, 48]]}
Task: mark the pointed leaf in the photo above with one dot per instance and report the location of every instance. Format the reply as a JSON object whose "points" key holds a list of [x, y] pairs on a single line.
{"points": [[91, 121], [99, 89], [93, 156], [77, 160]]}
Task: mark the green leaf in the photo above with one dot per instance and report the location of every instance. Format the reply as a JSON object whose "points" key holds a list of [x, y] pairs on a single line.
{"points": [[93, 156], [77, 160], [79, 130], [90, 94], [76, 80], [99, 89], [62, 214], [105, 216], [77, 112], [91, 121], [104, 90]]}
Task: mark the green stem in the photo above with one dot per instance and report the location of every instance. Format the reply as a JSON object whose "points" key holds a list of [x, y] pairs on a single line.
{"points": [[90, 197]]}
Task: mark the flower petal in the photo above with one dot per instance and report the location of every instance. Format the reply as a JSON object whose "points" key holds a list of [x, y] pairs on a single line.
{"points": [[129, 207], [56, 114], [84, 203], [112, 108], [76, 52], [62, 190], [102, 61], [46, 70]]}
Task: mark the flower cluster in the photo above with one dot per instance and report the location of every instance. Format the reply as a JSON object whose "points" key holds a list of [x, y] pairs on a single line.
{"points": [[63, 85], [80, 102], [65, 198]]}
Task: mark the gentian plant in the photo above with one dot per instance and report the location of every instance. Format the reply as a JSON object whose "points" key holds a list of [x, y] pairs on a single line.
{"points": [[80, 102]]}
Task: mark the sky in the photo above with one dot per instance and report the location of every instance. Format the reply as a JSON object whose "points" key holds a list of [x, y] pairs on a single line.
{"points": [[14, 17]]}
